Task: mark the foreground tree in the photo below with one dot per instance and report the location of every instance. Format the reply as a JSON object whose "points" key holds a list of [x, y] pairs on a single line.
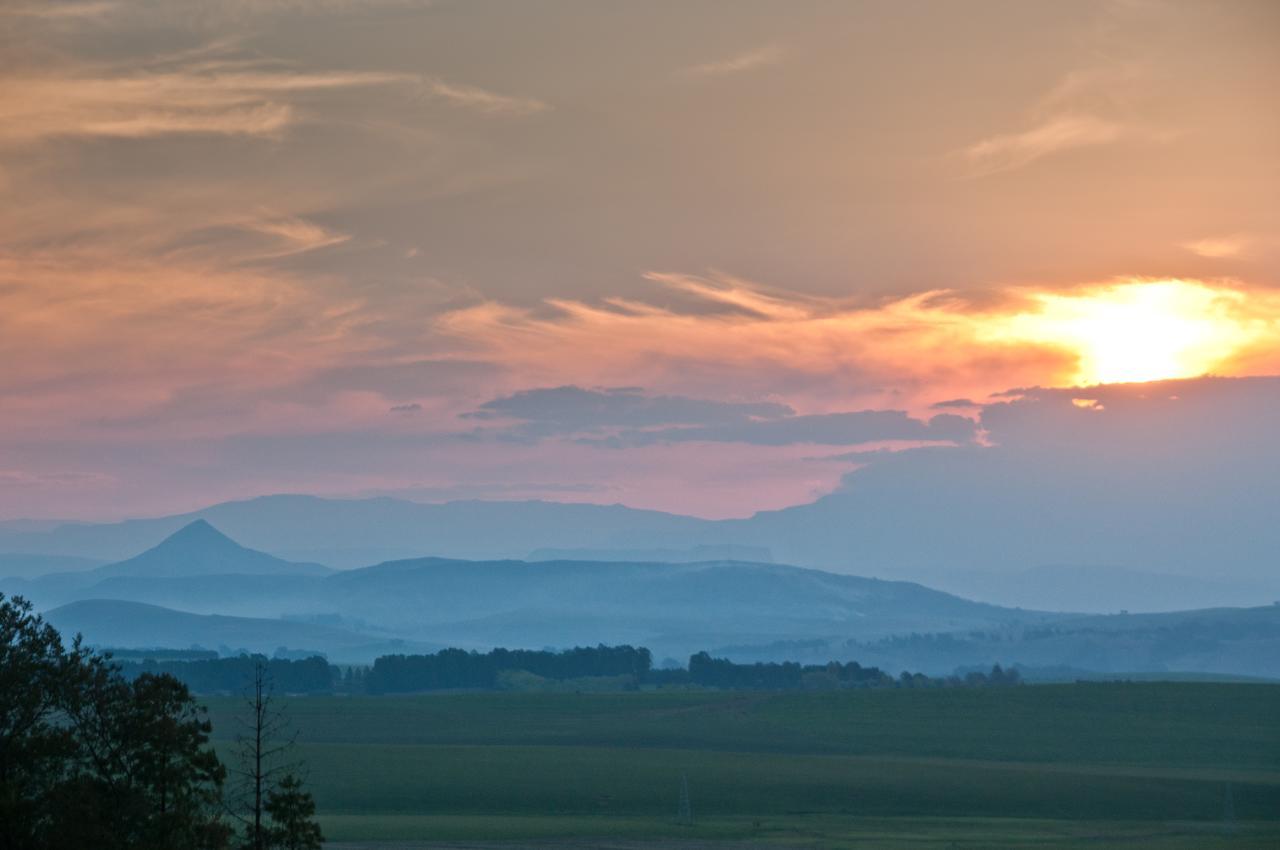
{"points": [[148, 776], [271, 805], [89, 760], [293, 811], [34, 746]]}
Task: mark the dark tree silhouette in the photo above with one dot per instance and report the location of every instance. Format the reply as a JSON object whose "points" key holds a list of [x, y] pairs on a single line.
{"points": [[88, 759], [147, 777], [292, 811], [271, 804], [261, 749], [33, 746]]}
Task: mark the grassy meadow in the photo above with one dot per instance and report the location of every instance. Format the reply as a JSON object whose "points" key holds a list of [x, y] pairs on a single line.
{"points": [[1097, 765]]}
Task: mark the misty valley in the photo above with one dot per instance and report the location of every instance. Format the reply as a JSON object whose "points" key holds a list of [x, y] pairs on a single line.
{"points": [[198, 588], [443, 700]]}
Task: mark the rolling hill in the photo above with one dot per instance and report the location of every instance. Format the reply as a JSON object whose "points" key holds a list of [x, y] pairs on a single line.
{"points": [[175, 594], [844, 532], [674, 608], [115, 623], [24, 565]]}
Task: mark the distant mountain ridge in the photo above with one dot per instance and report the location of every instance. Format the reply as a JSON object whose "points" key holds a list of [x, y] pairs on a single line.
{"points": [[672, 607], [693, 555], [25, 565], [838, 533], [179, 596], [358, 532]]}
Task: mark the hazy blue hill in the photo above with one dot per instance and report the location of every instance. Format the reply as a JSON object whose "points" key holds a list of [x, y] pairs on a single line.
{"points": [[23, 565], [200, 549], [358, 532], [679, 608], [668, 605], [1264, 619], [847, 532], [694, 554], [1222, 641], [248, 595], [750, 611], [1102, 589], [123, 624], [21, 526]]}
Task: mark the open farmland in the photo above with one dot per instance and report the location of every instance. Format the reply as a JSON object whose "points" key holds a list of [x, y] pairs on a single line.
{"points": [[1125, 765]]}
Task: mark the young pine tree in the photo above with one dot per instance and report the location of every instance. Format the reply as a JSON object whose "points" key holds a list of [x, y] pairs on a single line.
{"points": [[292, 812]]}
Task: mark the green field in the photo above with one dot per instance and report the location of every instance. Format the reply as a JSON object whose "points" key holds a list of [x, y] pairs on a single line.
{"points": [[1097, 765]]}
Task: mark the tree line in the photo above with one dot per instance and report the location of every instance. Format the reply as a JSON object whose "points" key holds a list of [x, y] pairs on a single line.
{"points": [[788, 675], [458, 669], [722, 673], [92, 759]]}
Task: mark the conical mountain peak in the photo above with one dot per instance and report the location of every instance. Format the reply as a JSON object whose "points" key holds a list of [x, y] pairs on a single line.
{"points": [[200, 549], [197, 532]]}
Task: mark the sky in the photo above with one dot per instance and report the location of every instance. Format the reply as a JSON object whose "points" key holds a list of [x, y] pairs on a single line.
{"points": [[699, 256]]}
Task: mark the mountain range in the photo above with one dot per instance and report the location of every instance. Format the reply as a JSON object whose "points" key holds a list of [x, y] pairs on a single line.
{"points": [[672, 607], [200, 587], [839, 533]]}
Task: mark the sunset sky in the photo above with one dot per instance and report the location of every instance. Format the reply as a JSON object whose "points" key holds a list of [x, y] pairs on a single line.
{"points": [[693, 256]]}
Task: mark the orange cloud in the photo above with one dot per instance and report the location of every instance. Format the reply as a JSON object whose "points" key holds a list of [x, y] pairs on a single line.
{"points": [[86, 338], [824, 354], [1089, 107], [482, 100], [218, 98], [758, 58], [1220, 247]]}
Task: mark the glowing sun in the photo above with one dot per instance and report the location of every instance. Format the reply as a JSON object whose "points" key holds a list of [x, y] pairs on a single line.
{"points": [[1140, 331]]}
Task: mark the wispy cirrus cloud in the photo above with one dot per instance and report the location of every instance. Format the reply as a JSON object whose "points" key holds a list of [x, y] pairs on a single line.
{"points": [[1087, 108], [208, 98], [1220, 247], [293, 235], [1009, 151], [749, 60], [59, 10], [481, 100], [208, 90], [189, 13]]}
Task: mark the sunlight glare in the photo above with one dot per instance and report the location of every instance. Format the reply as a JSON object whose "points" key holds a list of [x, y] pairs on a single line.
{"points": [[1140, 331]]}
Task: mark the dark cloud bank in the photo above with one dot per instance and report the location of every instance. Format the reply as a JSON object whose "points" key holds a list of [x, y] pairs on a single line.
{"points": [[1177, 476], [626, 417]]}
